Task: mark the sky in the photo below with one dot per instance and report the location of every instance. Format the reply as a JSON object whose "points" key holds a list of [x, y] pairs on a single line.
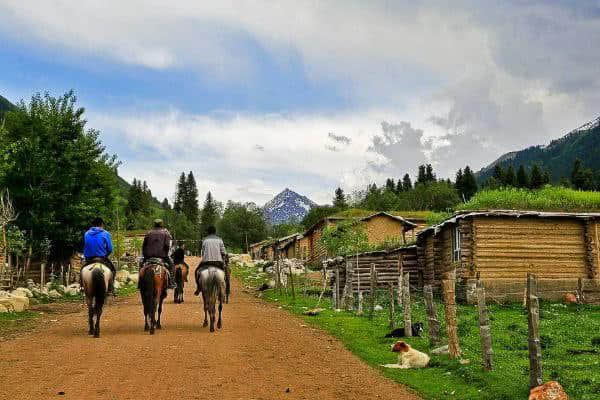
{"points": [[257, 96]]}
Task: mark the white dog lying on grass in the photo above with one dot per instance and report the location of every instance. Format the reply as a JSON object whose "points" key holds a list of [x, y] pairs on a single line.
{"points": [[408, 357]]}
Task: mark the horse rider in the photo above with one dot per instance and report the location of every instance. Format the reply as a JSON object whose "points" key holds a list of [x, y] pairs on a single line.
{"points": [[97, 247], [157, 243], [178, 258], [213, 254]]}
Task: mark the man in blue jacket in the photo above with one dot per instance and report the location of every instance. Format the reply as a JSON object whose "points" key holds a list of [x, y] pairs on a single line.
{"points": [[97, 247]]}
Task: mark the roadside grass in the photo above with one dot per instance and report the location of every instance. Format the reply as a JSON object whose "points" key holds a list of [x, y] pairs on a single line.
{"points": [[563, 328]]}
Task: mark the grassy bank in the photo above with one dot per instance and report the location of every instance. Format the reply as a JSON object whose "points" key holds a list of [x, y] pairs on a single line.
{"points": [[563, 328], [550, 198]]}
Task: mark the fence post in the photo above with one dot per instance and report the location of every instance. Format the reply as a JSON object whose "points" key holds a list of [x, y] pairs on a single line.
{"points": [[434, 324], [533, 321], [406, 305], [580, 295], [337, 287], [348, 296], [392, 311], [372, 294], [359, 311], [450, 314], [291, 279], [42, 275], [400, 276], [324, 282], [485, 330]]}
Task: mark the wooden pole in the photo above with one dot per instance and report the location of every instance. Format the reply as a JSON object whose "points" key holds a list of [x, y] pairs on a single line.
{"points": [[434, 323], [42, 275], [580, 295], [348, 296], [406, 305], [373, 286], [337, 287], [485, 329], [360, 304], [391, 305], [291, 279], [324, 282], [533, 321], [400, 275], [450, 313]]}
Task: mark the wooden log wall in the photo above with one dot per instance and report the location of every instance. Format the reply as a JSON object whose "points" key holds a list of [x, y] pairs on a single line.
{"points": [[386, 265]]}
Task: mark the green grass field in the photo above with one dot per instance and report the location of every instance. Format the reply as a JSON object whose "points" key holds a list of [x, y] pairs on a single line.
{"points": [[563, 328]]}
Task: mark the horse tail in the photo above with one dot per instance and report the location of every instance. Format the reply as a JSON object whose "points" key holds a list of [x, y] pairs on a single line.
{"points": [[213, 286], [178, 277], [98, 288], [147, 289]]}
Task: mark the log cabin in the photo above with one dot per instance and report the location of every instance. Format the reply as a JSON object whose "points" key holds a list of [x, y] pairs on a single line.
{"points": [[502, 246]]}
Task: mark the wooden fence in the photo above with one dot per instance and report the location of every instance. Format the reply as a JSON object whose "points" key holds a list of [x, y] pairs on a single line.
{"points": [[387, 265]]}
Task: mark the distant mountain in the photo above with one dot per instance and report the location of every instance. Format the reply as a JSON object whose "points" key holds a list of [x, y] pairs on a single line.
{"points": [[287, 206], [558, 157]]}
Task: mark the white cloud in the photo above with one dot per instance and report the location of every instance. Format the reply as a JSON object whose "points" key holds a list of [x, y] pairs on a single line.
{"points": [[477, 78]]}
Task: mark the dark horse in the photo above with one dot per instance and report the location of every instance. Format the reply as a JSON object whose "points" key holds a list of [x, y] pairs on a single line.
{"points": [[211, 282], [153, 289], [94, 279], [181, 273]]}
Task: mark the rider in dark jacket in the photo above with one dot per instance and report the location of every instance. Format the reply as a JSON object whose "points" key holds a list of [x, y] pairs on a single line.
{"points": [[157, 243]]}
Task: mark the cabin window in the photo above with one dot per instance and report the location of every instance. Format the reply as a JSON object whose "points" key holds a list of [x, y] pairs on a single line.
{"points": [[455, 244]]}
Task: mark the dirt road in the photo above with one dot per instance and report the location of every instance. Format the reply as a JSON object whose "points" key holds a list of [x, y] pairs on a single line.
{"points": [[261, 353]]}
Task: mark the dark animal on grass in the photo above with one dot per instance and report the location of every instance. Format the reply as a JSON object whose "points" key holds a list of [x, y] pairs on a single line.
{"points": [[417, 330], [95, 279], [181, 272], [211, 282], [153, 290]]}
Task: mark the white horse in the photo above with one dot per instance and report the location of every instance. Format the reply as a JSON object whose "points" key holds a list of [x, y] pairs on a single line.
{"points": [[212, 283], [95, 279]]}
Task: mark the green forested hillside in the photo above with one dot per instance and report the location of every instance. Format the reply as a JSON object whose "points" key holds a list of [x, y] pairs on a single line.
{"points": [[559, 156], [5, 106]]}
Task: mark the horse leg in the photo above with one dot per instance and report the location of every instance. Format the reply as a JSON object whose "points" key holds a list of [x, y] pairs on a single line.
{"points": [[205, 304], [212, 312], [219, 322], [91, 318], [160, 303], [98, 315], [152, 316]]}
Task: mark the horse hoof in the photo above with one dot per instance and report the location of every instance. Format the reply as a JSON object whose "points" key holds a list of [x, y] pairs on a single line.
{"points": [[152, 331], [158, 326], [218, 326], [96, 335], [212, 329], [204, 325], [146, 328], [90, 333]]}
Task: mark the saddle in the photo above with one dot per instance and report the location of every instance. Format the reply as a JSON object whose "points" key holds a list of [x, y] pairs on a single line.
{"points": [[157, 265]]}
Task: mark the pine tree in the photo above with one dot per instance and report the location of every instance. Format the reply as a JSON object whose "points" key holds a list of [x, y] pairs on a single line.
{"points": [[458, 183], [499, 174], [509, 177], [180, 193], [339, 201], [165, 204], [546, 177], [421, 176], [190, 199], [407, 183], [209, 214], [390, 185], [429, 175], [536, 178], [582, 178], [399, 186], [469, 183], [522, 178]]}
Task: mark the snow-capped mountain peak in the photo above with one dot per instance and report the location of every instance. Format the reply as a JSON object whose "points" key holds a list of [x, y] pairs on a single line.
{"points": [[287, 205]]}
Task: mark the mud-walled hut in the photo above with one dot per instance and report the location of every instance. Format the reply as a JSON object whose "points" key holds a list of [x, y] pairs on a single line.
{"points": [[502, 246]]}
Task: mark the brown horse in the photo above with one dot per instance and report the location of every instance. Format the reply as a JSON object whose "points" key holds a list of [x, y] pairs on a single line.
{"points": [[153, 290], [181, 276]]}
